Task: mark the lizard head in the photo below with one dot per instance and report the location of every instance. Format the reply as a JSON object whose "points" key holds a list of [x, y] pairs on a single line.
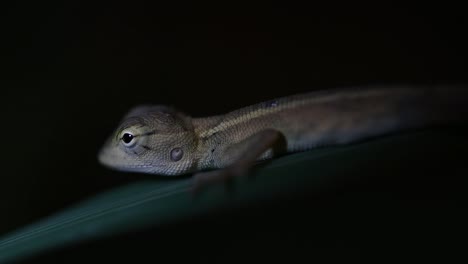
{"points": [[151, 139]]}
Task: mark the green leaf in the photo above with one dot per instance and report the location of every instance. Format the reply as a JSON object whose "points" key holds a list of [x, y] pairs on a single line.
{"points": [[158, 202]]}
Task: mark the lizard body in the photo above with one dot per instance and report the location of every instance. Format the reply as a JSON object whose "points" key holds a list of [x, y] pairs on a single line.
{"points": [[165, 141]]}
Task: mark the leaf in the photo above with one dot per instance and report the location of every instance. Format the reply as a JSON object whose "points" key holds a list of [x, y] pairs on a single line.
{"points": [[156, 203]]}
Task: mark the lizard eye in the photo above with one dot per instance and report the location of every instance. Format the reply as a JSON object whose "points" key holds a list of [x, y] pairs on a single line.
{"points": [[128, 139]]}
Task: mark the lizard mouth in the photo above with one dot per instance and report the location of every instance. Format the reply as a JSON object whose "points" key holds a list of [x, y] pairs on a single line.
{"points": [[112, 161], [109, 159]]}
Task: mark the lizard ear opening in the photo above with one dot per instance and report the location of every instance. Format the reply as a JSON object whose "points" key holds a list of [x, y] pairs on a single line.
{"points": [[177, 154]]}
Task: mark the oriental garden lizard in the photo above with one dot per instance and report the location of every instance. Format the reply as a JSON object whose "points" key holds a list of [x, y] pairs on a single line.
{"points": [[162, 140]]}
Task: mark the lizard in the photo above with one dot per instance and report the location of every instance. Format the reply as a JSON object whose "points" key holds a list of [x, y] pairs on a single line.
{"points": [[158, 139]]}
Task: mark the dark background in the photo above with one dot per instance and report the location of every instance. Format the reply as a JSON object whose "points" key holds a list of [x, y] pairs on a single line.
{"points": [[71, 70]]}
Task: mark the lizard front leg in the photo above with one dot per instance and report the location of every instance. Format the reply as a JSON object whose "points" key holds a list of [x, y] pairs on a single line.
{"points": [[247, 152]]}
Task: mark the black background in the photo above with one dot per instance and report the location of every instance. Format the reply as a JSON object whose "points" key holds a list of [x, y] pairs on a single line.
{"points": [[70, 71]]}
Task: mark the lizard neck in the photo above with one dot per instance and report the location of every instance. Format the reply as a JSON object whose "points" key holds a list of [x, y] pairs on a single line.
{"points": [[205, 145], [203, 124]]}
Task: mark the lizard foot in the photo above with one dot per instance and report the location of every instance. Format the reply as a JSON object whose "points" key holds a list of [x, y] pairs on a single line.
{"points": [[207, 178]]}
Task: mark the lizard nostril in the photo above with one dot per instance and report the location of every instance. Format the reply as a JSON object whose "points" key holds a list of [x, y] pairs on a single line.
{"points": [[176, 154]]}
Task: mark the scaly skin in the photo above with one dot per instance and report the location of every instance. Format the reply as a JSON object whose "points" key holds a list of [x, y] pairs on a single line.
{"points": [[162, 140]]}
